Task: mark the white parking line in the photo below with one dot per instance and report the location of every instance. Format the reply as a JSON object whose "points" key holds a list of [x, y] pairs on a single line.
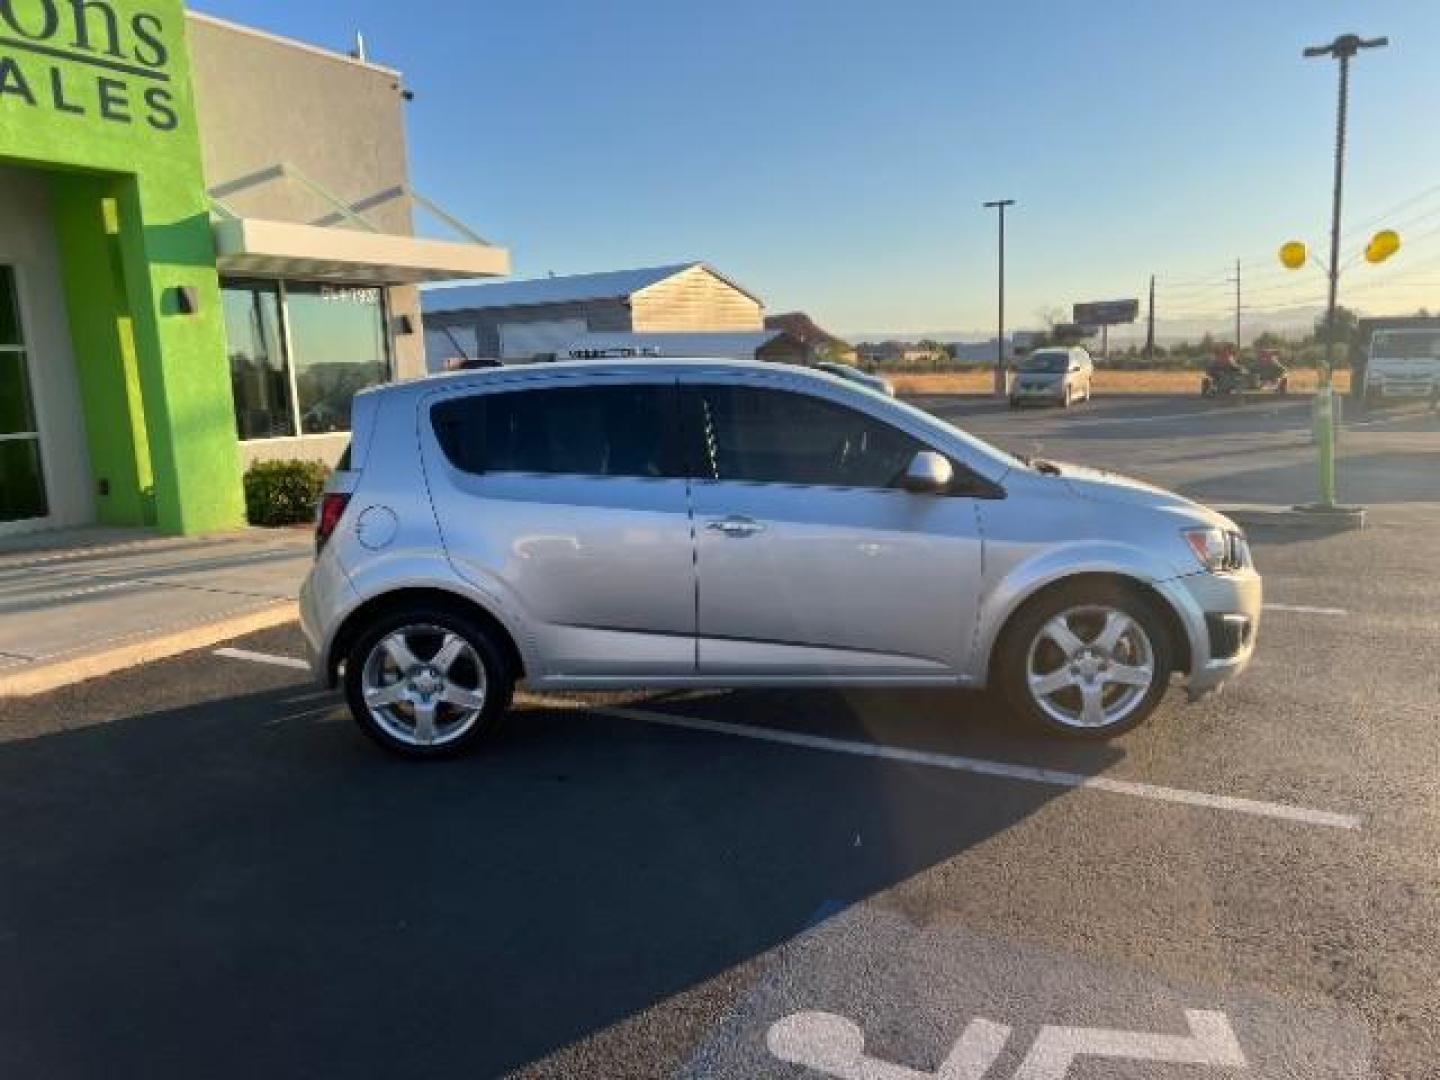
{"points": [[264, 658], [1306, 609], [1233, 804], [1057, 777]]}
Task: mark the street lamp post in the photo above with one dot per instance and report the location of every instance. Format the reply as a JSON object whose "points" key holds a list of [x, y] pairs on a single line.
{"points": [[1343, 48], [1000, 205]]}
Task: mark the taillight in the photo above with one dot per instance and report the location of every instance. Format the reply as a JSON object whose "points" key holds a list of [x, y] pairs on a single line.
{"points": [[332, 509]]}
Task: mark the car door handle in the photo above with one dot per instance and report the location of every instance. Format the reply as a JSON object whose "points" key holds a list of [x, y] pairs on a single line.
{"points": [[736, 526]]}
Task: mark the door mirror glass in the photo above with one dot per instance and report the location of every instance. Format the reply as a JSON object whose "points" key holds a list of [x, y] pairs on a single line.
{"points": [[928, 473]]}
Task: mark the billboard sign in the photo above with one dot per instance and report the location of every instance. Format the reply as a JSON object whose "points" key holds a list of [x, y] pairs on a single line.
{"points": [[1107, 312]]}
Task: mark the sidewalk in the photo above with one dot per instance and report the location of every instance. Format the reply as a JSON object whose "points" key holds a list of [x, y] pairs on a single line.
{"points": [[79, 603]]}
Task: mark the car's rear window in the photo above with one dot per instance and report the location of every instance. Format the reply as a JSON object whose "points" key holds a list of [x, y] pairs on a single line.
{"points": [[584, 430]]}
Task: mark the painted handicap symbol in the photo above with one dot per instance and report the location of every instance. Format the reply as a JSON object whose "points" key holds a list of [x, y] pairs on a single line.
{"points": [[835, 1046]]}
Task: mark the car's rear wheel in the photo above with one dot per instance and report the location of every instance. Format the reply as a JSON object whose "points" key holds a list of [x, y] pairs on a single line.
{"points": [[1087, 661], [427, 683]]}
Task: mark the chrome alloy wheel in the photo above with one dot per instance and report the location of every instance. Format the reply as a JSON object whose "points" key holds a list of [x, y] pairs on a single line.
{"points": [[1090, 667], [424, 685]]}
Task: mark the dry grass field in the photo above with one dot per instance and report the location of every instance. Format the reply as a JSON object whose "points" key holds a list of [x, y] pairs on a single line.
{"points": [[1106, 382]]}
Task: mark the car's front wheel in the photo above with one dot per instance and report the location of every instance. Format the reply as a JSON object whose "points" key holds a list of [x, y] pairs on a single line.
{"points": [[427, 683], [1086, 661]]}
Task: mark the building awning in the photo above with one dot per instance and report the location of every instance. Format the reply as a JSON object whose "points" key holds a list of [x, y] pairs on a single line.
{"points": [[251, 247]]}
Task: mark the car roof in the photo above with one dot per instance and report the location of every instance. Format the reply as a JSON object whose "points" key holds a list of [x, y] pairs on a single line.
{"points": [[540, 372]]}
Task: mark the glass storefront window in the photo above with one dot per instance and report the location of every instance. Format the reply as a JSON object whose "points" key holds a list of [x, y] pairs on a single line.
{"points": [[22, 484], [335, 341], [9, 316], [263, 409], [340, 347], [22, 481]]}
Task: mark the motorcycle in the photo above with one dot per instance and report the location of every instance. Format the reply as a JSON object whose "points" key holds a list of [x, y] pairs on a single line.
{"points": [[1268, 373], [1225, 377], [1222, 380]]}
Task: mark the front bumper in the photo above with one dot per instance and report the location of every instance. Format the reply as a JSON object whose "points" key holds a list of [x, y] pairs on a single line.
{"points": [[1046, 392], [1402, 387], [1221, 617]]}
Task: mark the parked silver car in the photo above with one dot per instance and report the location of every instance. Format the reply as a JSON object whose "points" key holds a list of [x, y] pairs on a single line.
{"points": [[1059, 376], [718, 523]]}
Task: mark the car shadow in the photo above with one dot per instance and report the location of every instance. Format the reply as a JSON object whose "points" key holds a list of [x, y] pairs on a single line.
{"points": [[248, 887]]}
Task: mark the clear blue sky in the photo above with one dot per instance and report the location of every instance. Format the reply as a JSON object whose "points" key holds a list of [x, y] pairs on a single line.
{"points": [[832, 155]]}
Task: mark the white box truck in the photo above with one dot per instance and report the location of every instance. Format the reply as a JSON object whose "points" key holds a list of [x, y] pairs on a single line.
{"points": [[1403, 364]]}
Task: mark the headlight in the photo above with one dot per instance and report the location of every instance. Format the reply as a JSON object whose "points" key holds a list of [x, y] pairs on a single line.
{"points": [[1218, 550]]}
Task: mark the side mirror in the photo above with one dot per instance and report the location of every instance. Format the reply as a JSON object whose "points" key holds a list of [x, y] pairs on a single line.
{"points": [[929, 473]]}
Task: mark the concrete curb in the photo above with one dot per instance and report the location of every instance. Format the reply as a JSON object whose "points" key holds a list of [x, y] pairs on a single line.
{"points": [[1265, 515], [37, 678]]}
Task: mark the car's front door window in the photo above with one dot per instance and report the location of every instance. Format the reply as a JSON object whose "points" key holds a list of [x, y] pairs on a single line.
{"points": [[771, 436]]}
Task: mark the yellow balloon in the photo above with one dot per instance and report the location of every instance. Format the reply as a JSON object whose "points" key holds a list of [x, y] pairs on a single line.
{"points": [[1293, 255], [1382, 245]]}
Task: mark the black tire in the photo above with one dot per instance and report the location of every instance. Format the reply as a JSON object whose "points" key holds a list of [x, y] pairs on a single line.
{"points": [[1014, 648], [499, 679]]}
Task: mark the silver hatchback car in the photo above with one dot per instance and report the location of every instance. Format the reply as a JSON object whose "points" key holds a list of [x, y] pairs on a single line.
{"points": [[708, 523]]}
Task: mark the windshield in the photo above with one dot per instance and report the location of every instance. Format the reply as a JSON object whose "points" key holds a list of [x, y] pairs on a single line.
{"points": [[1405, 344], [1045, 363]]}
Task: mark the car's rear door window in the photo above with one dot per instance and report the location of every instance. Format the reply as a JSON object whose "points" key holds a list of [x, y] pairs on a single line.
{"points": [[774, 436], [621, 430]]}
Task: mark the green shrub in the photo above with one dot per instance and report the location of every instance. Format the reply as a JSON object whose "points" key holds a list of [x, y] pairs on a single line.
{"points": [[283, 492]]}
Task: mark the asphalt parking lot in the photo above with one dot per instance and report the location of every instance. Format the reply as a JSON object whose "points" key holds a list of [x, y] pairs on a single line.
{"points": [[206, 871]]}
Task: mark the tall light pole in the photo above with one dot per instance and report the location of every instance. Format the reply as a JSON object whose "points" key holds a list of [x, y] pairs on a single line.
{"points": [[1342, 48], [1000, 205]]}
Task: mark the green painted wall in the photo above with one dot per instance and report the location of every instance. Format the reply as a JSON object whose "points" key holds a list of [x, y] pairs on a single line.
{"points": [[102, 333], [99, 93]]}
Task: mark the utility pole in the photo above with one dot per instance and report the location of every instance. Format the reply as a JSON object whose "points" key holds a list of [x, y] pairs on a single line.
{"points": [[1342, 49], [1150, 326], [1236, 279], [1000, 205]]}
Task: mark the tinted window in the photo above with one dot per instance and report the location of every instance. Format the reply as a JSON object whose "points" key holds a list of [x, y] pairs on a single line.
{"points": [[781, 437], [592, 430]]}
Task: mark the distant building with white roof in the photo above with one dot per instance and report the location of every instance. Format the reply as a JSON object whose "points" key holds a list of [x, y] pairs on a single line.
{"points": [[520, 321]]}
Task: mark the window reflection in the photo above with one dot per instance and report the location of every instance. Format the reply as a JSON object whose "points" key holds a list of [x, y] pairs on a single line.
{"points": [[257, 360], [338, 334]]}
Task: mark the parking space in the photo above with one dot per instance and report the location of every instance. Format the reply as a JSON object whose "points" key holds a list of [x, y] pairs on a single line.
{"points": [[208, 870]]}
